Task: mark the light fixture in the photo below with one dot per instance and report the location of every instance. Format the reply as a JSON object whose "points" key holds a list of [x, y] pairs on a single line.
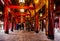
{"points": [[44, 20], [40, 14], [0, 12], [56, 17], [36, 1], [21, 10], [22, 1], [54, 6]]}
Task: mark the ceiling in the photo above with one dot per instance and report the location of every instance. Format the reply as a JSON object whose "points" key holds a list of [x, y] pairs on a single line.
{"points": [[38, 4]]}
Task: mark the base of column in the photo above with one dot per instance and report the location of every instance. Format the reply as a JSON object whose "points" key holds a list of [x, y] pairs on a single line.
{"points": [[37, 31], [46, 33], [51, 37], [12, 30], [15, 28], [7, 32]]}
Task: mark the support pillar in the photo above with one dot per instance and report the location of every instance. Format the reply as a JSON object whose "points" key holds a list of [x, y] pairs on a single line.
{"points": [[42, 25], [46, 28], [59, 22], [12, 23], [51, 20], [12, 27], [46, 12], [36, 29], [6, 20]]}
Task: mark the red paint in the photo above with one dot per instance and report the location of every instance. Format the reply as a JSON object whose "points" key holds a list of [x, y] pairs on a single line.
{"points": [[59, 22], [10, 25], [21, 7], [36, 21], [14, 26], [8, 4], [6, 19]]}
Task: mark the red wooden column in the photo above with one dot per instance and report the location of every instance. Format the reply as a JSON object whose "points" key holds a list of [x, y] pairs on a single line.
{"points": [[36, 23], [15, 26], [12, 26], [46, 12], [6, 20], [51, 20], [59, 22]]}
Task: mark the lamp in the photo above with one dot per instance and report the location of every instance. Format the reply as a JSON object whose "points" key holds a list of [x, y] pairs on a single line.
{"points": [[21, 10], [54, 6], [0, 12], [36, 1], [22, 1], [40, 14]]}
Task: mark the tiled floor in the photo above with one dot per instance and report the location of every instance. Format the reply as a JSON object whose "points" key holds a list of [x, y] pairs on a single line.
{"points": [[23, 36], [57, 34]]}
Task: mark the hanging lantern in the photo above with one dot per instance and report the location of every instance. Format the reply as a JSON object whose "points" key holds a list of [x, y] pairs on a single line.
{"points": [[21, 10], [40, 14], [22, 1]]}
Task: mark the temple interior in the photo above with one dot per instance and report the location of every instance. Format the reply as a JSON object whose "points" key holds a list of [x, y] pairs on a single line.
{"points": [[29, 20]]}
